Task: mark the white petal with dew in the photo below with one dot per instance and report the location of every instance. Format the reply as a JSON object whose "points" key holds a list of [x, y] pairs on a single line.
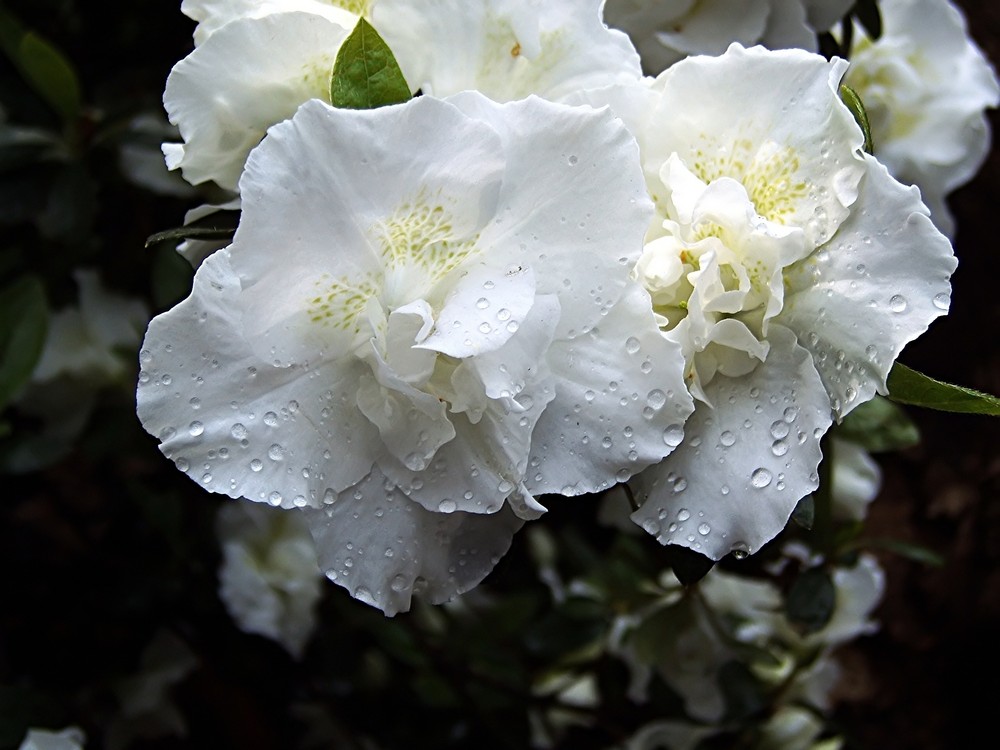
{"points": [[744, 465], [877, 285], [384, 548]]}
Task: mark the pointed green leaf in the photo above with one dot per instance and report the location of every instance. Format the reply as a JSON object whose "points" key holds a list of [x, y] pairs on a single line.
{"points": [[868, 15], [366, 74], [42, 65], [908, 386], [24, 319], [850, 98], [879, 425], [910, 551], [810, 601]]}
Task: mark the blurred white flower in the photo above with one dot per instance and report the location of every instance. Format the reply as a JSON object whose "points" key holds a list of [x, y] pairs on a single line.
{"points": [[270, 579], [147, 709], [925, 85], [414, 336], [71, 738], [666, 31], [789, 266], [855, 480]]}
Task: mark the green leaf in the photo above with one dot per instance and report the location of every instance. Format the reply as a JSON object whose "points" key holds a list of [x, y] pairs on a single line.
{"points": [[44, 67], [189, 233], [910, 551], [24, 319], [853, 102], [804, 514], [810, 601], [868, 15], [878, 426], [908, 386], [365, 74]]}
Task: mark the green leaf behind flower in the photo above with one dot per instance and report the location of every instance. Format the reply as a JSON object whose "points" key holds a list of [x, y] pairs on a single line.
{"points": [[24, 320], [43, 66], [908, 386], [366, 74], [879, 425]]}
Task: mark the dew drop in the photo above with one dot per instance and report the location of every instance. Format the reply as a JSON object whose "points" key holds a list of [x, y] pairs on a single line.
{"points": [[941, 301], [779, 447], [275, 452], [239, 431], [673, 435], [683, 514], [656, 398], [897, 303], [779, 429], [760, 478], [182, 464], [632, 345], [482, 303], [415, 462], [398, 583], [485, 328], [447, 506], [503, 314], [196, 429], [651, 527], [704, 529], [271, 419], [727, 438], [256, 465]]}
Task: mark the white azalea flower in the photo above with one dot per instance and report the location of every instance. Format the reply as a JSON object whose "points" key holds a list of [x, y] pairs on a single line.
{"points": [[247, 76], [416, 335], [791, 268], [270, 579], [925, 86], [264, 61], [666, 31], [507, 49], [71, 738], [211, 15], [855, 480]]}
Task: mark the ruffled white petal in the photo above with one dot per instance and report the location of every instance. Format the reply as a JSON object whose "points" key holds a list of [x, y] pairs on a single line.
{"points": [[877, 285], [384, 548], [506, 49], [617, 409], [743, 465], [249, 75], [213, 14]]}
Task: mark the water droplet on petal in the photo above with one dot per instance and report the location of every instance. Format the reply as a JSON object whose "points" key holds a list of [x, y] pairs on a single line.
{"points": [[897, 303], [942, 301], [727, 438], [275, 452], [704, 529], [632, 345], [683, 514], [398, 583], [760, 478], [673, 435], [239, 431], [447, 506], [196, 429], [271, 419]]}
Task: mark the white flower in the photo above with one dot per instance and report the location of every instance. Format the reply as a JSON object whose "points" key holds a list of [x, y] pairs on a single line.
{"points": [[506, 49], [256, 68], [855, 480], [415, 335], [666, 31], [211, 15], [791, 268], [925, 85], [270, 579], [147, 709], [71, 738], [87, 342], [250, 74]]}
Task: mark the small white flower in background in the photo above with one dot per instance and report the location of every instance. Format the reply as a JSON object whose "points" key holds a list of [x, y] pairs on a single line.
{"points": [[257, 67], [89, 347], [270, 579], [95, 341], [789, 266], [71, 738], [688, 638], [925, 85], [147, 709], [412, 337], [855, 480], [666, 31], [141, 159]]}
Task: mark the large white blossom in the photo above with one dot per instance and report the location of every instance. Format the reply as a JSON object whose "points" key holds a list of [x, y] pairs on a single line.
{"points": [[212, 15], [270, 579], [925, 85], [414, 336], [263, 59], [666, 31], [790, 267]]}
